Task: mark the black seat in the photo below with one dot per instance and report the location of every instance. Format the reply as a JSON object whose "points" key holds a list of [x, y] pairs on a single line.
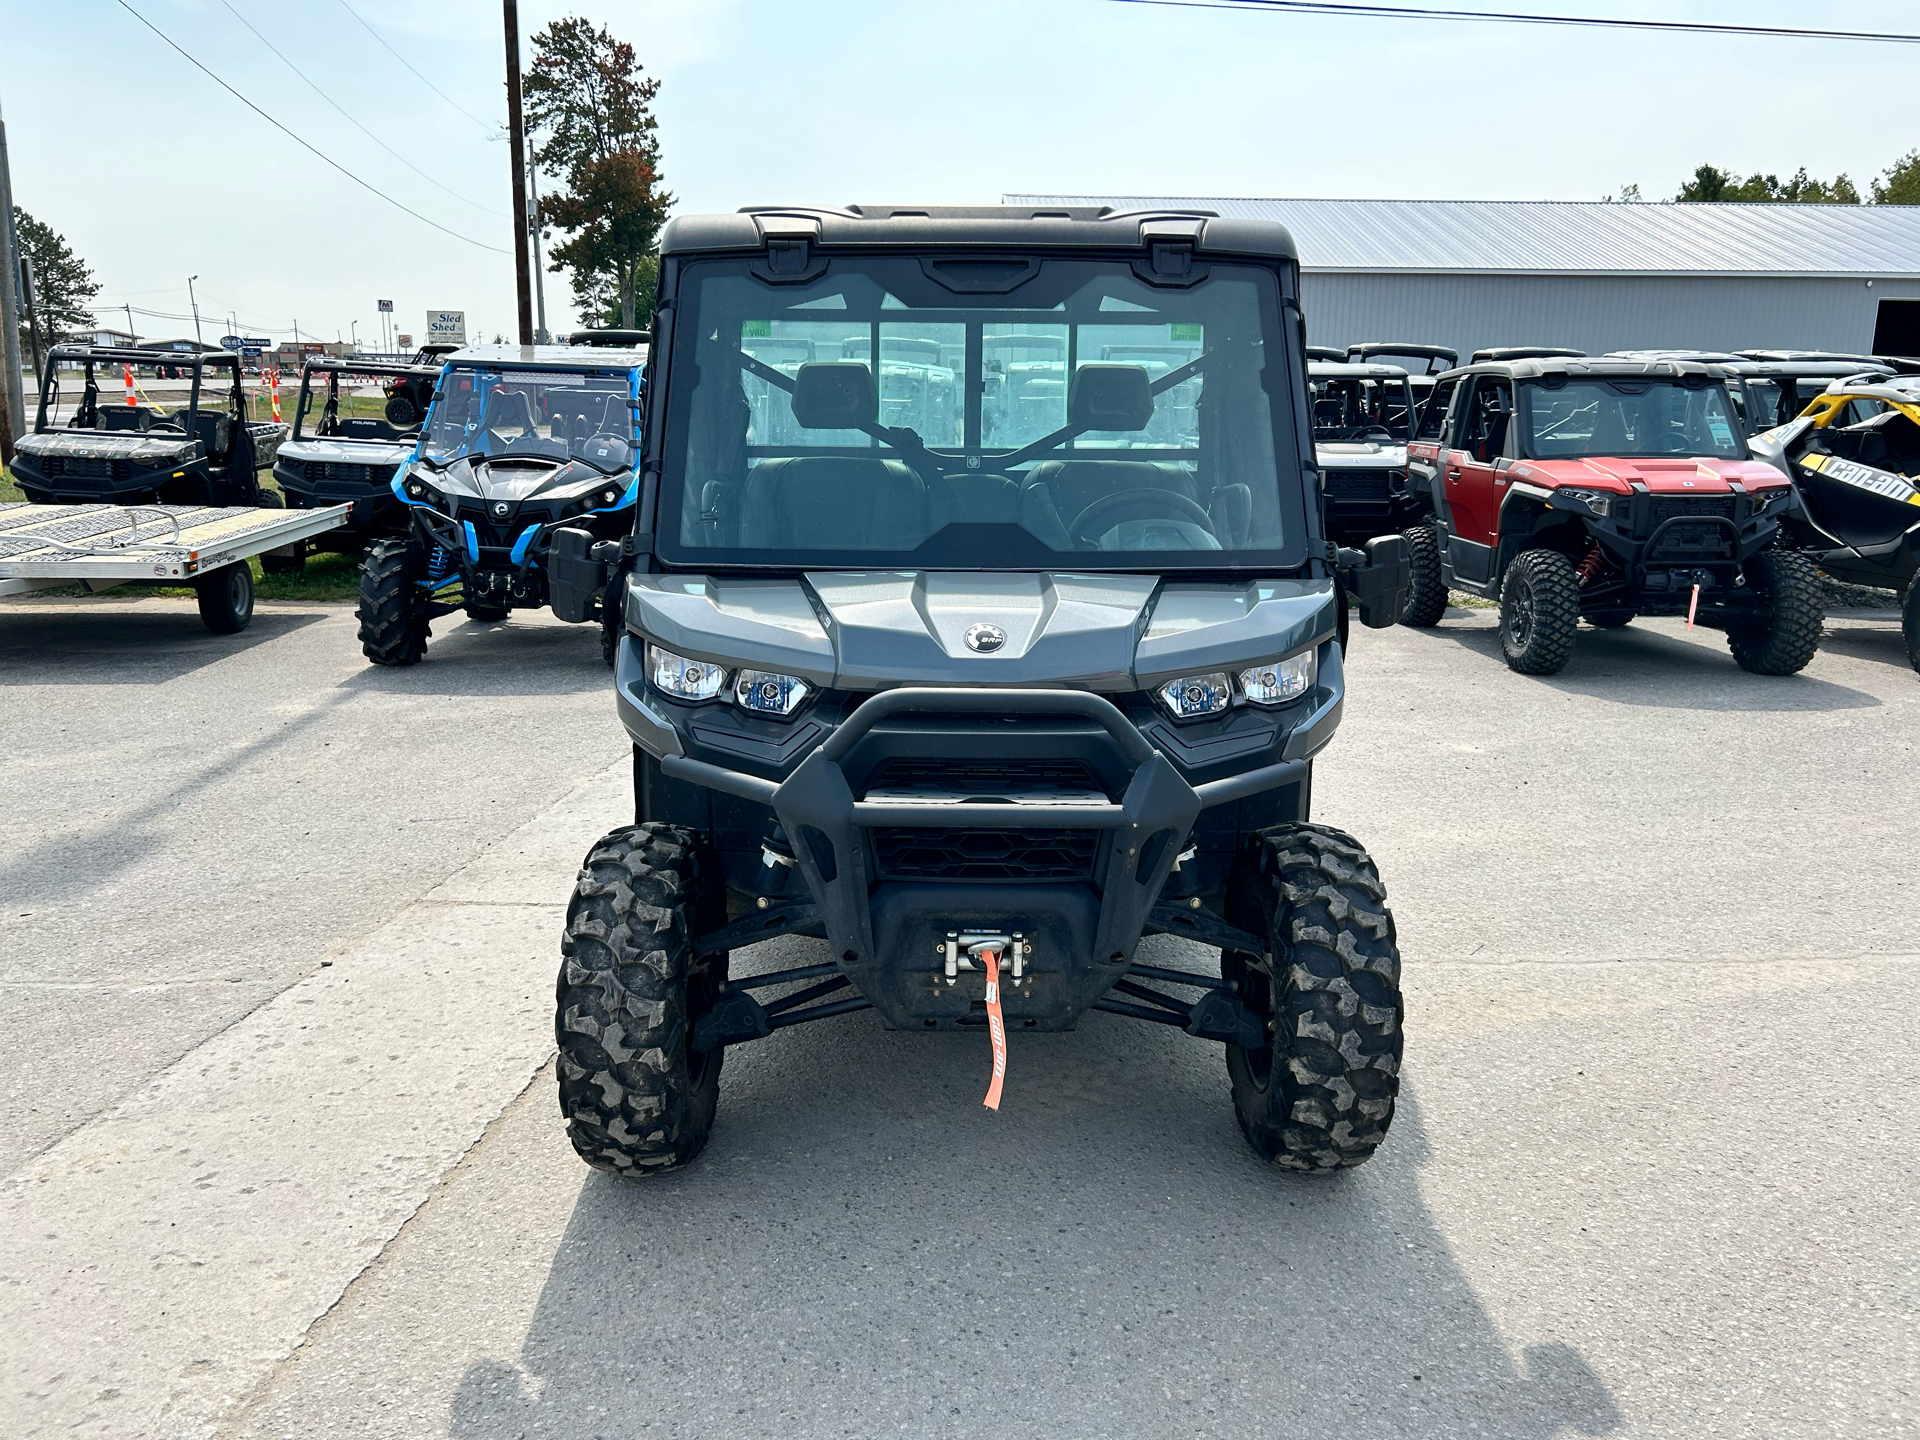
{"points": [[366, 428], [213, 430], [821, 502], [126, 417]]}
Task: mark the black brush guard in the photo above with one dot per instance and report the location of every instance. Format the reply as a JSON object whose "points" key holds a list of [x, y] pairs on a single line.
{"points": [[887, 934]]}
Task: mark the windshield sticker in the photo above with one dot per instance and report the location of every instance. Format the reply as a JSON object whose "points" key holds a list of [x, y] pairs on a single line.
{"points": [[1722, 433]]}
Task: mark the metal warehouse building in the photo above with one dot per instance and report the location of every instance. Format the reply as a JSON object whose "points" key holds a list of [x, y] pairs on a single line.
{"points": [[1594, 276]]}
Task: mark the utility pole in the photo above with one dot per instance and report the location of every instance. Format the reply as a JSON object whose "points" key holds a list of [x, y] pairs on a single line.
{"points": [[13, 398], [539, 266], [196, 308], [28, 287], [518, 142], [131, 337]]}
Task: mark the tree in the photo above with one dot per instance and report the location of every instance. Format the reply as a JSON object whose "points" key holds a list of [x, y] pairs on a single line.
{"points": [[586, 94], [62, 283], [1710, 183], [1900, 185]]}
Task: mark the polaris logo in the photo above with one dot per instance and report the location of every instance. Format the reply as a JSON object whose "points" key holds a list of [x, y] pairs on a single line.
{"points": [[985, 638]]}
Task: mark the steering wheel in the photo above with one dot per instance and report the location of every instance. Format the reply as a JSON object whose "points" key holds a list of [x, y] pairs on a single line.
{"points": [[1145, 504]]}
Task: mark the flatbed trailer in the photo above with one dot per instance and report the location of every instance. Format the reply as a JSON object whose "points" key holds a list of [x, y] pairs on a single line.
{"points": [[104, 546]]}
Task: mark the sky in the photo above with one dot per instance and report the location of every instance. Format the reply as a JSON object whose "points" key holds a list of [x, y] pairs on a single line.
{"points": [[153, 173]]}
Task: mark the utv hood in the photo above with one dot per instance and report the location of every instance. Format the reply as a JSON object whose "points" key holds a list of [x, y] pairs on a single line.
{"points": [[873, 631], [1679, 475], [148, 449]]}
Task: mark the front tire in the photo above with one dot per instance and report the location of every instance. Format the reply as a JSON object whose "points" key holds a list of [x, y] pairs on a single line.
{"points": [[1539, 612], [226, 598], [1427, 591], [1784, 636], [1319, 1095], [391, 630], [1910, 621], [637, 1098]]}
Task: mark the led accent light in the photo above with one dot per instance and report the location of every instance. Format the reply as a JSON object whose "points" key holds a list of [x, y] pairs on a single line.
{"points": [[1282, 681], [682, 678], [767, 693], [1192, 696], [1597, 501]]}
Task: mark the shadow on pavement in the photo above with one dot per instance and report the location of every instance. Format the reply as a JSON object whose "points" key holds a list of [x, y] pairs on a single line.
{"points": [[864, 1248], [1638, 666], [125, 647], [467, 658], [1864, 639]]}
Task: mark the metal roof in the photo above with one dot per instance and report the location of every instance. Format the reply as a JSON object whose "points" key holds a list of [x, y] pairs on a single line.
{"points": [[1572, 236]]}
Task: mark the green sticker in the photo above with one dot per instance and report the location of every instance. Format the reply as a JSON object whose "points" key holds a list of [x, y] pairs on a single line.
{"points": [[1184, 332], [756, 329]]}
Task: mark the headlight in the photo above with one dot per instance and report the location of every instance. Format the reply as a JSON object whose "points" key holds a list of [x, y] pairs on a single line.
{"points": [[1282, 681], [1597, 501], [682, 678], [1192, 696], [1773, 494], [765, 693]]}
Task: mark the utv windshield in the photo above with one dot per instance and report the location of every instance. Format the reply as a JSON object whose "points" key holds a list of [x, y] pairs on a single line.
{"points": [[560, 414], [348, 404], [1349, 407], [979, 413], [1629, 417]]}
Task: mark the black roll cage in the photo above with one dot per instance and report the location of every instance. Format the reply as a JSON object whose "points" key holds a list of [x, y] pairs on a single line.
{"points": [[334, 366], [89, 355]]}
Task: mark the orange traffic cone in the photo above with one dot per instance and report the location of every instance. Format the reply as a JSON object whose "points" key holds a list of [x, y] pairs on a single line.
{"points": [[127, 370]]}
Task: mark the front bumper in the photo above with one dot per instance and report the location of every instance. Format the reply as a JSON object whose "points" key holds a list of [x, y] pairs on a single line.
{"points": [[1077, 874]]}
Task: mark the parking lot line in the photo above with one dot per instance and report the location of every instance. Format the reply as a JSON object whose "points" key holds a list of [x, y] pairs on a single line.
{"points": [[159, 1261]]}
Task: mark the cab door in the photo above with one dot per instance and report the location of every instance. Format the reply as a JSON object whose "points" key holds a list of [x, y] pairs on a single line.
{"points": [[1471, 481], [1427, 448]]}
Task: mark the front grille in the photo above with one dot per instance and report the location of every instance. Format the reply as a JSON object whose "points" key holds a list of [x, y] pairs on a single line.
{"points": [[983, 777], [1667, 507], [1681, 541], [329, 471], [81, 467], [1356, 484], [985, 854]]}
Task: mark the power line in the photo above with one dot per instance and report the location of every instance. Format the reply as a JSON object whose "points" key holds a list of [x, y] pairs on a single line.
{"points": [[353, 122], [1699, 27], [296, 139], [490, 127]]}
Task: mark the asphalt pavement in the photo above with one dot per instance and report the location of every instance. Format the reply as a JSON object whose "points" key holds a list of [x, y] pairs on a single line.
{"points": [[278, 942]]}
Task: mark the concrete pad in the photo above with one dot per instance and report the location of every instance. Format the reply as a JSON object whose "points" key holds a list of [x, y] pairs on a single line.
{"points": [[159, 1262]]}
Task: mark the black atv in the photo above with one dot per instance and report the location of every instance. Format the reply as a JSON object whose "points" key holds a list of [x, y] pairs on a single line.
{"points": [[519, 443], [1854, 462], [346, 457], [206, 452], [981, 699]]}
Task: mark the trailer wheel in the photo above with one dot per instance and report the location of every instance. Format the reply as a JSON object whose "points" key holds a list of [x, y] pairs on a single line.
{"points": [[1426, 592], [226, 598], [1783, 638], [391, 630], [1539, 612], [1319, 1095], [1910, 621], [637, 1098]]}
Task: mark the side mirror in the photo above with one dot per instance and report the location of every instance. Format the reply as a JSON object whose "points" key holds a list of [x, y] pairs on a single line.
{"points": [[1110, 397], [1381, 584], [836, 395]]}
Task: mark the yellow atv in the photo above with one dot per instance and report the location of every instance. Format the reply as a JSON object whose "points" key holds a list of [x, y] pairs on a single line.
{"points": [[1853, 456]]}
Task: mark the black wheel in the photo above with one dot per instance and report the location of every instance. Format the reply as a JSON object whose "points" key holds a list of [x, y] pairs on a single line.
{"points": [[400, 412], [487, 614], [1782, 637], [226, 598], [1539, 612], [1616, 621], [637, 1097], [1427, 592], [1910, 621], [1319, 1095], [391, 630]]}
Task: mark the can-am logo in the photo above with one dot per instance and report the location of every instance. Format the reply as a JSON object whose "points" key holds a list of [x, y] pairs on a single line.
{"points": [[985, 638]]}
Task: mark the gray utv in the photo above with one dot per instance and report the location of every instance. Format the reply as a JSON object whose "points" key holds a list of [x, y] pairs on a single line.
{"points": [[978, 621]]}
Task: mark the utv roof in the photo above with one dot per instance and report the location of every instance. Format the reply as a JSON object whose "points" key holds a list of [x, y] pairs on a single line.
{"points": [[1368, 349], [347, 365], [1523, 352], [1046, 227], [1603, 367], [1327, 369], [1900, 390], [550, 357], [1326, 353], [138, 354]]}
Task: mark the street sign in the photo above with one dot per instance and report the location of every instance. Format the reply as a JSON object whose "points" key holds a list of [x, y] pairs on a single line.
{"points": [[256, 342], [250, 352], [447, 327], [386, 307], [405, 342]]}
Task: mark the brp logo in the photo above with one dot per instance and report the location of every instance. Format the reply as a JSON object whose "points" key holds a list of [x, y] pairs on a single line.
{"points": [[985, 638], [500, 509]]}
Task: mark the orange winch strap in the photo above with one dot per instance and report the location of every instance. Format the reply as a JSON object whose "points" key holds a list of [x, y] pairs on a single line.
{"points": [[996, 1029]]}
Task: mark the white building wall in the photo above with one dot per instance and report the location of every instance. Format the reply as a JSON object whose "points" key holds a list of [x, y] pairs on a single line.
{"points": [[1596, 313]]}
